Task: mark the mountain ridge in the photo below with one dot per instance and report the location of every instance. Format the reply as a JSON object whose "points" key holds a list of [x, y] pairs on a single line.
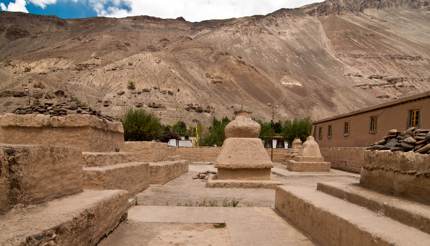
{"points": [[318, 60]]}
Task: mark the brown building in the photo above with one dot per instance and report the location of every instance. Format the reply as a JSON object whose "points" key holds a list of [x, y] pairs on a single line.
{"points": [[366, 126]]}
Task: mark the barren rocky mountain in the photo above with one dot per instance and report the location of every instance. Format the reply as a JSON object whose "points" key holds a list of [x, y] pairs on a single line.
{"points": [[318, 60]]}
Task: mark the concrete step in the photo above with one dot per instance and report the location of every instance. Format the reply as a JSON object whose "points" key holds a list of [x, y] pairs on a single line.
{"points": [[81, 219], [332, 221], [99, 159], [407, 212], [132, 176], [163, 171]]}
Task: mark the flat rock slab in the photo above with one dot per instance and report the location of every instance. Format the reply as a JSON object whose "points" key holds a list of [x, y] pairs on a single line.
{"points": [[245, 226], [81, 219], [134, 233]]}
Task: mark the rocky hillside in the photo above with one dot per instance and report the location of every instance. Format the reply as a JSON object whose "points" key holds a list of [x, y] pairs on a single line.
{"points": [[318, 60]]}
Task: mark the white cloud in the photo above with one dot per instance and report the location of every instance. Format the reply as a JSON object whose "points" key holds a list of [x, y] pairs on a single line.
{"points": [[17, 6], [193, 10], [43, 3]]}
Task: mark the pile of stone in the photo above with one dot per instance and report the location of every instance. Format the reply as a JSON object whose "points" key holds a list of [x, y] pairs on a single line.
{"points": [[413, 139], [204, 175], [60, 109]]}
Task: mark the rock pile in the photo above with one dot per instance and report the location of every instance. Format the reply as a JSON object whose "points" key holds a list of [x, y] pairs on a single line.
{"points": [[413, 139], [204, 175], [60, 109]]}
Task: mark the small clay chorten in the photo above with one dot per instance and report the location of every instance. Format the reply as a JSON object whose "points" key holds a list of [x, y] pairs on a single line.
{"points": [[309, 158], [296, 147], [243, 157]]}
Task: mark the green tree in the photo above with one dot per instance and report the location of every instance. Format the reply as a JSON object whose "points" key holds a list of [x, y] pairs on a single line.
{"points": [[215, 135], [141, 126], [298, 128], [180, 128]]}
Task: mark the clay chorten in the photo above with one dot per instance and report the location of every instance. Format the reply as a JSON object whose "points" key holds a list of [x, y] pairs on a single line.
{"points": [[309, 159], [296, 147], [243, 161]]}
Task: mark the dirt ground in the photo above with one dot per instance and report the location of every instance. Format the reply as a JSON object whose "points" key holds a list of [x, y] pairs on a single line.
{"points": [[185, 212]]}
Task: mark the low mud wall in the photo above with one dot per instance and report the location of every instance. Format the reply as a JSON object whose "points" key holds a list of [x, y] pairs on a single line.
{"points": [[349, 159], [155, 151], [398, 173], [85, 132]]}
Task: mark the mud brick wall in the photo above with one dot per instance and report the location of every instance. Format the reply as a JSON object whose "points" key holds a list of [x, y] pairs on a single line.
{"points": [[34, 174], [398, 173], [86, 132], [349, 159]]}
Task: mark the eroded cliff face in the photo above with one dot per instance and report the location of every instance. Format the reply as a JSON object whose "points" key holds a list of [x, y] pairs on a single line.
{"points": [[319, 60]]}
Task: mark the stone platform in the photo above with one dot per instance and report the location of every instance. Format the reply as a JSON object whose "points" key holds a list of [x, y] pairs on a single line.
{"points": [[308, 166], [329, 220], [133, 177], [85, 132], [31, 174], [79, 220], [164, 171]]}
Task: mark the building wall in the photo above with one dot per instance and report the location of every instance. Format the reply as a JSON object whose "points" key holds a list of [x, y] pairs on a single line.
{"points": [[394, 117]]}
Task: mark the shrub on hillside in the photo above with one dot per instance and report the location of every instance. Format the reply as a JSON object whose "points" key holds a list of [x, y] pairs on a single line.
{"points": [[141, 126]]}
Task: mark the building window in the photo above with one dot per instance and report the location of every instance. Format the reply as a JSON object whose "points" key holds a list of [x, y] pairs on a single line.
{"points": [[373, 124], [329, 132], [414, 118], [315, 132], [346, 129], [320, 133]]}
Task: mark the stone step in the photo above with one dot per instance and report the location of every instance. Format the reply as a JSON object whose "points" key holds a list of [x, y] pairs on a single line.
{"points": [[80, 219], [163, 171], [407, 212], [132, 176], [99, 159], [332, 221]]}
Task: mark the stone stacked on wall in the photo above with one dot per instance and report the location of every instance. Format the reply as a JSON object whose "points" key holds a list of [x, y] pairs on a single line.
{"points": [[85, 132], [61, 109], [413, 139]]}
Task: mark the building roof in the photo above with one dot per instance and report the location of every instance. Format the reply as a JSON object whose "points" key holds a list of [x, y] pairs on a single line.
{"points": [[402, 100]]}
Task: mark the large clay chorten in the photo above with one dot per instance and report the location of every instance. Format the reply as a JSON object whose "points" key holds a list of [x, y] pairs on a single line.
{"points": [[243, 161]]}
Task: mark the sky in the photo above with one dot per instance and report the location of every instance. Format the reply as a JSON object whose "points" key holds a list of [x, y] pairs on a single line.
{"points": [[191, 10]]}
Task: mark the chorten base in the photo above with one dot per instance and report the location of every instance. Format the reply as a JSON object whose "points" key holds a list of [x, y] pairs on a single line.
{"points": [[215, 182], [244, 173], [308, 166]]}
